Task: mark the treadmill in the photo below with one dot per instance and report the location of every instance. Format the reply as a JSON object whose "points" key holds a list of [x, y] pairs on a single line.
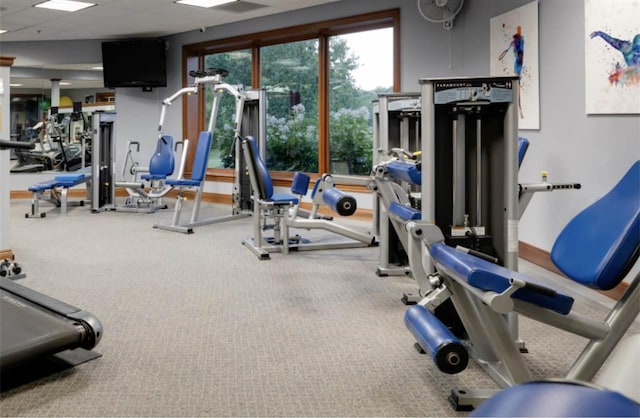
{"points": [[40, 335]]}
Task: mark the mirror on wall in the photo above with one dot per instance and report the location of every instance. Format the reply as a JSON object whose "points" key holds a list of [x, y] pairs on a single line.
{"points": [[61, 133]]}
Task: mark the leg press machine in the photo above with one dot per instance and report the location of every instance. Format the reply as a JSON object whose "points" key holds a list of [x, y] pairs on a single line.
{"points": [[284, 211], [598, 248]]}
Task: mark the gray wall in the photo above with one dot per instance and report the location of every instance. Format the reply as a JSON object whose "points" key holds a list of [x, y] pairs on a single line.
{"points": [[593, 150]]}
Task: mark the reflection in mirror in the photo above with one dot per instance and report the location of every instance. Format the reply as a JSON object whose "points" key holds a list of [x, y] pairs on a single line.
{"points": [[52, 107]]}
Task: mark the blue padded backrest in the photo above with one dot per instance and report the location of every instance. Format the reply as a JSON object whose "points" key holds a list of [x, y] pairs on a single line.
{"points": [[264, 178], [523, 146], [596, 247], [163, 162], [201, 159], [300, 183]]}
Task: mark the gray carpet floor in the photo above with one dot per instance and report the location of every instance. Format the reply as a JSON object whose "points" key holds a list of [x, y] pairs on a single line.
{"points": [[196, 325]]}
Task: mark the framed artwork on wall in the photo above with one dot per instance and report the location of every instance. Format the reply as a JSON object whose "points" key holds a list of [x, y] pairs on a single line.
{"points": [[513, 44], [612, 56]]}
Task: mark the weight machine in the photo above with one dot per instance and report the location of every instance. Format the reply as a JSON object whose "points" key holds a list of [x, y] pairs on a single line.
{"points": [[284, 210], [396, 129], [162, 163], [470, 167], [598, 249], [250, 118], [161, 166], [101, 186]]}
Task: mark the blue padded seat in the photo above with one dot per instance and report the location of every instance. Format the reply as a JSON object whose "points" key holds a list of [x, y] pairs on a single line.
{"points": [[68, 180], [200, 161], [265, 185], [557, 399], [405, 212], [284, 198], [162, 162], [42, 186], [596, 246], [488, 276], [405, 171]]}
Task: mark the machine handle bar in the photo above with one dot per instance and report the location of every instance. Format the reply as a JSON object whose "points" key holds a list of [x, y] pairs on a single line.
{"points": [[576, 186], [4, 144], [478, 254], [543, 290]]}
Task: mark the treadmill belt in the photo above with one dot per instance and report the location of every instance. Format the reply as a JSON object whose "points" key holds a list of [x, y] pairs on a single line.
{"points": [[41, 335], [27, 332]]}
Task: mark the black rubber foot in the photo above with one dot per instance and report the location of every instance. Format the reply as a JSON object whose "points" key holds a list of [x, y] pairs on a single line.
{"points": [[408, 299], [419, 348]]}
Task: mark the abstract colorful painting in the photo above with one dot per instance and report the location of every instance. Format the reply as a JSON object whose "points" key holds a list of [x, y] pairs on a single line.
{"points": [[612, 56], [514, 51]]}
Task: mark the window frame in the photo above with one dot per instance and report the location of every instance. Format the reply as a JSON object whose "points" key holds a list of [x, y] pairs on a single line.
{"points": [[193, 118]]}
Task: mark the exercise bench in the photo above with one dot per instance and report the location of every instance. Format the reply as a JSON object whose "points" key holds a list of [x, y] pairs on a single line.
{"points": [[58, 189]]}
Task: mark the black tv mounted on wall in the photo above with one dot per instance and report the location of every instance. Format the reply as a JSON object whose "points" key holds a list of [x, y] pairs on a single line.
{"points": [[134, 63]]}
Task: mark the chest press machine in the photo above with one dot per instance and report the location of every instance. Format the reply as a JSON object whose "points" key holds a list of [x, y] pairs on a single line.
{"points": [[249, 117], [161, 167]]}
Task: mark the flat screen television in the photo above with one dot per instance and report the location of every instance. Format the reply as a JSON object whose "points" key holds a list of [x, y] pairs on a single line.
{"points": [[134, 63]]}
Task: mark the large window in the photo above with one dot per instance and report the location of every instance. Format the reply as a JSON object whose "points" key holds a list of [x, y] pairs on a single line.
{"points": [[238, 63], [289, 72], [320, 80], [360, 67]]}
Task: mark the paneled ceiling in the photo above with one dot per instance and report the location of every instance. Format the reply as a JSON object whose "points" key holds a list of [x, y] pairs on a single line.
{"points": [[114, 19], [111, 19]]}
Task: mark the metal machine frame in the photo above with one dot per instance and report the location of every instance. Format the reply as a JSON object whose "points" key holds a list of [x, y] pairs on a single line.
{"points": [[250, 117], [396, 125]]}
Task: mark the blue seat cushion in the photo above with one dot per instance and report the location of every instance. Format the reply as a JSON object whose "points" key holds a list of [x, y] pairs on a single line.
{"points": [[484, 275], [42, 186], [284, 198], [68, 180], [405, 171], [596, 247], [405, 212], [557, 399], [183, 182], [153, 177]]}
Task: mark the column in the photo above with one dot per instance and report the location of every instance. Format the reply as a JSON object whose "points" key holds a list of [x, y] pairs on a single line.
{"points": [[5, 123]]}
